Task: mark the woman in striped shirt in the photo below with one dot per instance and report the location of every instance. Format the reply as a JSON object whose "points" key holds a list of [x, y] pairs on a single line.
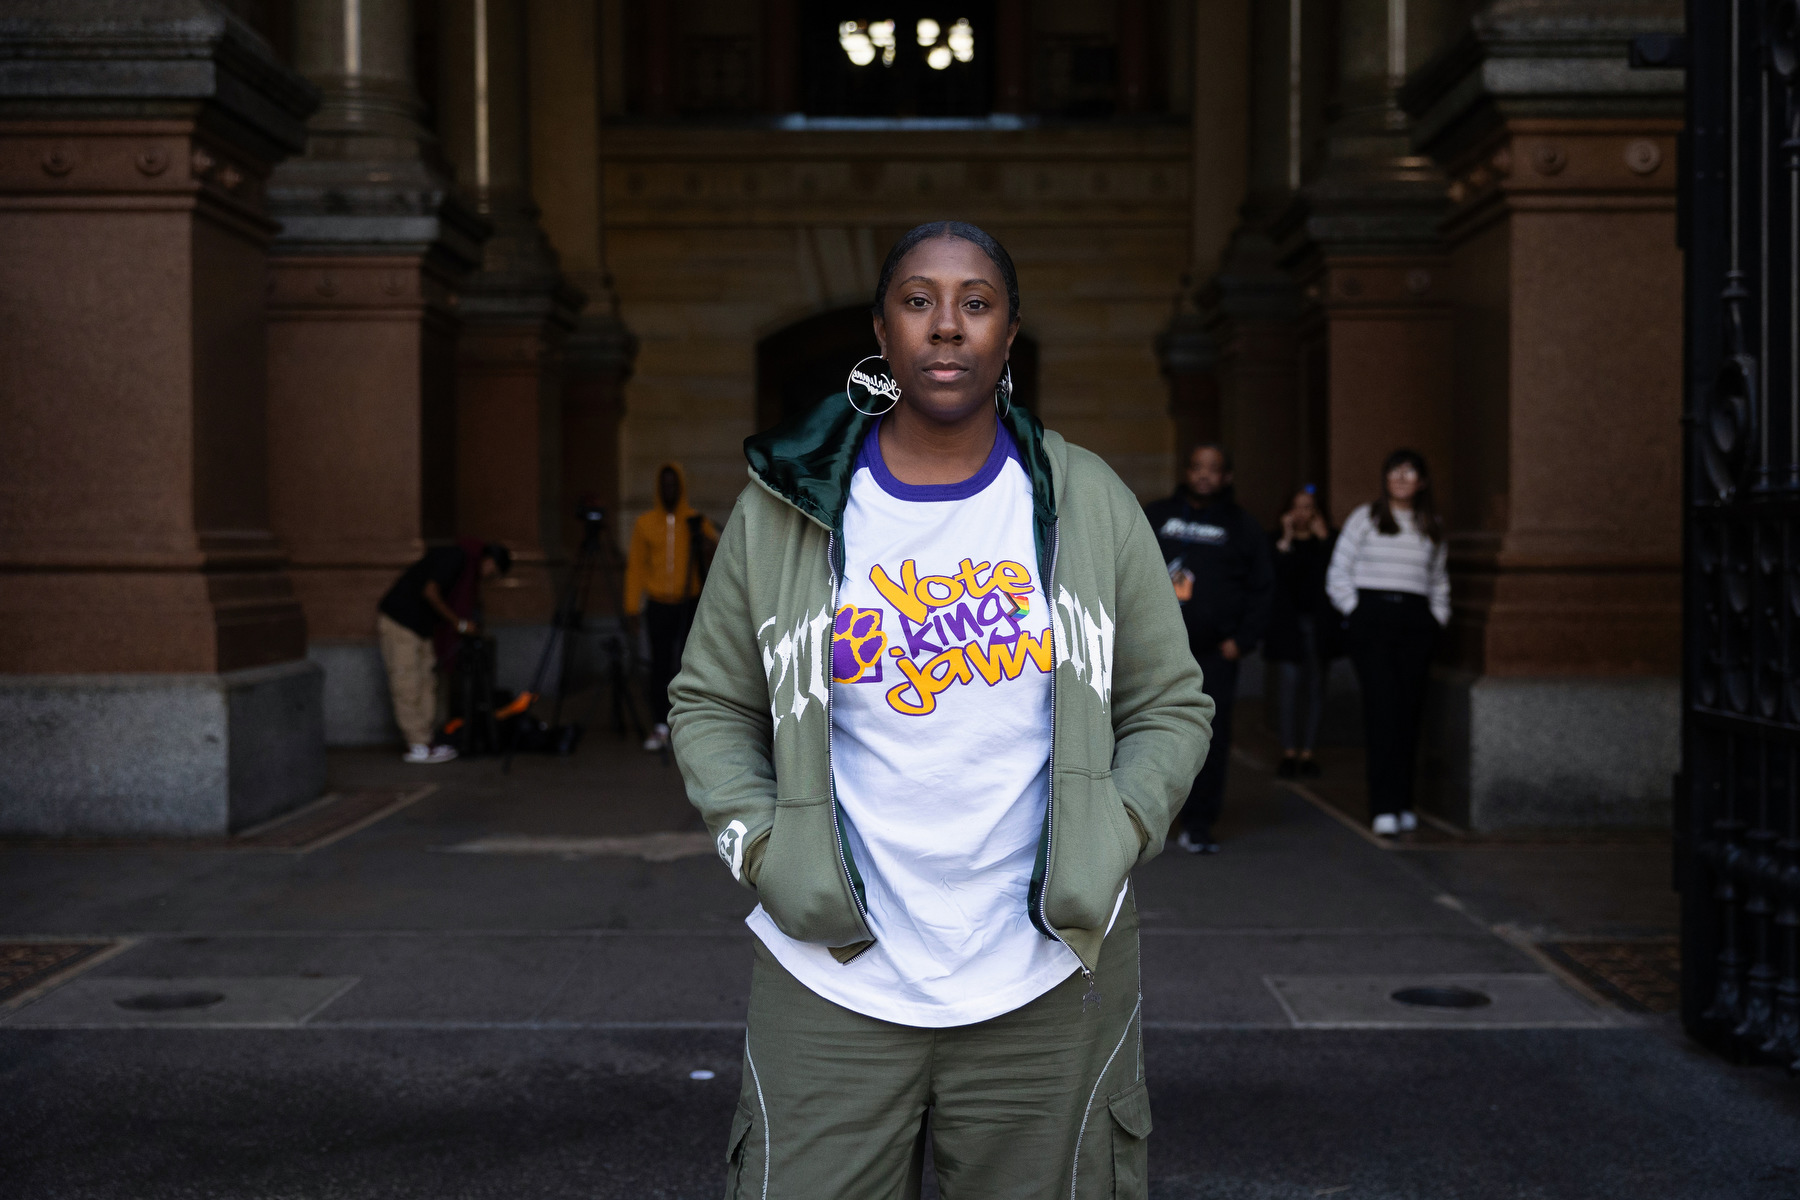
{"points": [[1388, 577]]}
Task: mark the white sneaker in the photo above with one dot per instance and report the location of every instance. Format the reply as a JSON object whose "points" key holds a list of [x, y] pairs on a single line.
{"points": [[420, 753], [1385, 825], [659, 737], [1409, 821]]}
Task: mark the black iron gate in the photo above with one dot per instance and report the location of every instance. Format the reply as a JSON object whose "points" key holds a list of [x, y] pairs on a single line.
{"points": [[1738, 810]]}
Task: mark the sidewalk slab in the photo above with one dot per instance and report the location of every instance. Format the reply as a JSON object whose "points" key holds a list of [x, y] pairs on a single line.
{"points": [[1369, 1002], [220, 1002]]}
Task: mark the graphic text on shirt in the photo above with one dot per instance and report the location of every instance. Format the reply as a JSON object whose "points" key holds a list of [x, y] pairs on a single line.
{"points": [[969, 624]]}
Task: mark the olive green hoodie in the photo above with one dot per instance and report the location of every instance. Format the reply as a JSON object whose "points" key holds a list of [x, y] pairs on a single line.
{"points": [[751, 710]]}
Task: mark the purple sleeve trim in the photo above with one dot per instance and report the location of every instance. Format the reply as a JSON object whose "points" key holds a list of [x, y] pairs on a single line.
{"points": [[870, 457]]}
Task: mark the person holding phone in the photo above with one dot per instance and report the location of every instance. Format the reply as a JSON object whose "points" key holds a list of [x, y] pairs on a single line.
{"points": [[1218, 560], [1303, 630]]}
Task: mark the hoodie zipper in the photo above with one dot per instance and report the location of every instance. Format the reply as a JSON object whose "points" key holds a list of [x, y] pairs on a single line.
{"points": [[1092, 995], [837, 828]]}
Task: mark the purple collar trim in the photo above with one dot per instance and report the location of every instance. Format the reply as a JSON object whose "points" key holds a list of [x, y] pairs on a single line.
{"points": [[870, 456]]}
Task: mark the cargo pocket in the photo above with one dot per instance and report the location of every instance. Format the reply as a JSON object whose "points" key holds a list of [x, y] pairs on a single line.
{"points": [[738, 1155], [1130, 1150]]}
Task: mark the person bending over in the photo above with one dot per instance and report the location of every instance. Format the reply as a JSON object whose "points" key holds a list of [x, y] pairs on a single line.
{"points": [[434, 600], [928, 713]]}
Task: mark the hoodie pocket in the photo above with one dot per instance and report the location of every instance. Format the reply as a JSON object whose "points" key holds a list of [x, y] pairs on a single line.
{"points": [[801, 881], [1130, 1111], [1096, 847]]}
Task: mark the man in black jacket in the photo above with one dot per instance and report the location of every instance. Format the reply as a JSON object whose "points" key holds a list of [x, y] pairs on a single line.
{"points": [[1225, 579]]}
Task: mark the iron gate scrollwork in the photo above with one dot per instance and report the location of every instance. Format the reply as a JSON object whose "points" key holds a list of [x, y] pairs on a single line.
{"points": [[1738, 812]]}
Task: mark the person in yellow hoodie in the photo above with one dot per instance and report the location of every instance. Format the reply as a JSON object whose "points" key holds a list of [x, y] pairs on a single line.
{"points": [[671, 548]]}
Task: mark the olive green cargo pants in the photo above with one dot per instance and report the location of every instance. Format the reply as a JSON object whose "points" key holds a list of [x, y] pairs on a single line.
{"points": [[1045, 1101]]}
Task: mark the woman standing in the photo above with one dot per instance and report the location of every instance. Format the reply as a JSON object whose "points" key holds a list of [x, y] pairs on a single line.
{"points": [[1388, 576], [1301, 624], [929, 713]]}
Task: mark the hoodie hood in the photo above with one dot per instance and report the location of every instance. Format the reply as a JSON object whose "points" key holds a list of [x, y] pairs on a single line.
{"points": [[808, 462], [681, 508]]}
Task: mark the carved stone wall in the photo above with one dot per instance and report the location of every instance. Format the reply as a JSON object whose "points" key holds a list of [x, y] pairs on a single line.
{"points": [[719, 237]]}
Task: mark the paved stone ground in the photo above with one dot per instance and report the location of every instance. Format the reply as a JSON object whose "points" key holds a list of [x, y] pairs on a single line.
{"points": [[405, 1016]]}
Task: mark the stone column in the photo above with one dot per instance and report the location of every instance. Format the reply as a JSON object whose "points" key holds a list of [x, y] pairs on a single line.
{"points": [[154, 656], [1360, 238], [1134, 55], [1220, 120], [659, 65], [566, 153], [1249, 312], [517, 311], [362, 344], [1189, 361], [1562, 704], [1012, 51], [1246, 303], [781, 56]]}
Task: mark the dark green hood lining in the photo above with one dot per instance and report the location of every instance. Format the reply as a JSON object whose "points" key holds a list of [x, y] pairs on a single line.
{"points": [[809, 460]]}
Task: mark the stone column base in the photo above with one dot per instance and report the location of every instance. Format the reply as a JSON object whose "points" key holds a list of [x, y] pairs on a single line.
{"points": [[158, 755], [358, 708], [1546, 753]]}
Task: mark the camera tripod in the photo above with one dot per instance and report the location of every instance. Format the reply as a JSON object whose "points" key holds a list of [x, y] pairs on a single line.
{"points": [[476, 727], [568, 625]]}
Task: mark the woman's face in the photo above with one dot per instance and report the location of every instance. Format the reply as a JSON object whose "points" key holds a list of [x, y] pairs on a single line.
{"points": [[944, 330], [1403, 483], [1304, 509]]}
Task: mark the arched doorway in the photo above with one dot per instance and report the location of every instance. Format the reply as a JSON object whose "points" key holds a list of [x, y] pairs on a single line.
{"points": [[800, 365]]}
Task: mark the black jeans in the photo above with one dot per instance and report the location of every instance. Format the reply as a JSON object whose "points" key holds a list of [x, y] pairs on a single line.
{"points": [[667, 625], [1207, 796], [1300, 718], [1391, 635]]}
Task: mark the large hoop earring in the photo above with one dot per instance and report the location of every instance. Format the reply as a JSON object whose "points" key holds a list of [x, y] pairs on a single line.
{"points": [[871, 384], [1003, 391]]}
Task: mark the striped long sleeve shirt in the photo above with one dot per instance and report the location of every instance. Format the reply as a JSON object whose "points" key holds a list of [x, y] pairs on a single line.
{"points": [[1404, 562]]}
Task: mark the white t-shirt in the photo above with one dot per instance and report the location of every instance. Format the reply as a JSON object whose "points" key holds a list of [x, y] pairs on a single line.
{"points": [[940, 717]]}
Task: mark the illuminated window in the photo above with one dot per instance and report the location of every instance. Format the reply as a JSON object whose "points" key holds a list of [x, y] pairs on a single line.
{"points": [[943, 47], [896, 57], [863, 40], [962, 41], [854, 37]]}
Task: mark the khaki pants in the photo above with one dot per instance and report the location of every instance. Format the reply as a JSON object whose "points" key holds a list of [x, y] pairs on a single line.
{"points": [[1043, 1102], [411, 683]]}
